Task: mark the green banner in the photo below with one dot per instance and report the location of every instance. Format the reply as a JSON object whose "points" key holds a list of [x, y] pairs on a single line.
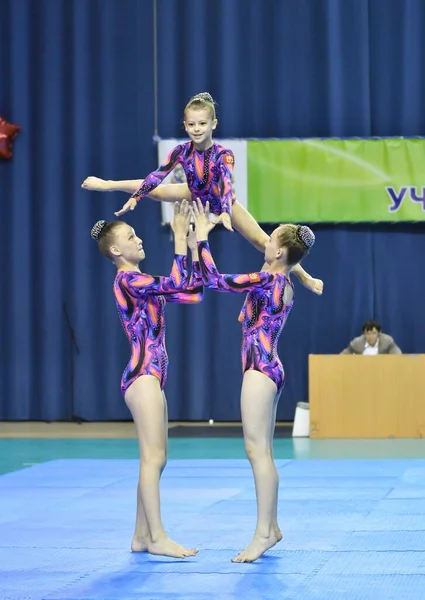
{"points": [[332, 180]]}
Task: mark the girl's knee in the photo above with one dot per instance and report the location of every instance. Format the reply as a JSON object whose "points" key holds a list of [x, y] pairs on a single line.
{"points": [[154, 457], [256, 451]]}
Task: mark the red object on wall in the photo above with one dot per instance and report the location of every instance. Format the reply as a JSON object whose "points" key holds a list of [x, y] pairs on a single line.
{"points": [[8, 132]]}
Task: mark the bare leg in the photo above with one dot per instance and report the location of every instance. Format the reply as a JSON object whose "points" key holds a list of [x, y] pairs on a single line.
{"points": [[242, 220], [146, 403], [248, 227], [96, 184], [272, 430], [141, 537], [164, 399], [165, 192], [258, 406]]}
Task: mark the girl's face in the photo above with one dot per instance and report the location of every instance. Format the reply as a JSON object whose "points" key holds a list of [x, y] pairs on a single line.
{"points": [[127, 245], [199, 125], [272, 250]]}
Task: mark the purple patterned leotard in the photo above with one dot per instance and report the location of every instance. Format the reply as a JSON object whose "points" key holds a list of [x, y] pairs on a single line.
{"points": [[208, 174], [141, 300], [263, 314]]}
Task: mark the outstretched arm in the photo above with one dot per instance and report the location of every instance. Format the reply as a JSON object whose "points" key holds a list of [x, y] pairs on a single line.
{"points": [[210, 275], [239, 283], [315, 285], [153, 180], [156, 177]]}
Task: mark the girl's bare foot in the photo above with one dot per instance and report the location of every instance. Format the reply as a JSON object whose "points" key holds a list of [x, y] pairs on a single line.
{"points": [[258, 546], [166, 547], [95, 184], [140, 544], [316, 286]]}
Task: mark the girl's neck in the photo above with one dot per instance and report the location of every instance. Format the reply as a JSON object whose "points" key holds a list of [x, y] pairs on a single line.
{"points": [[276, 268], [128, 266], [204, 145]]}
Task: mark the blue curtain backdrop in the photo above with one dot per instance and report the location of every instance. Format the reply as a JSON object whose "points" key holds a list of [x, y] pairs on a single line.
{"points": [[78, 77]]}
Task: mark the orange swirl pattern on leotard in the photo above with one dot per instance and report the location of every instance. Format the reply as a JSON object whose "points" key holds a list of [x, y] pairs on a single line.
{"points": [[141, 301], [208, 174], [263, 314]]}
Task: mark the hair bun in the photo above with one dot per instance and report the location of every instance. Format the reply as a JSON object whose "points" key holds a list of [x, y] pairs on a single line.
{"points": [[306, 236], [97, 229], [204, 96]]}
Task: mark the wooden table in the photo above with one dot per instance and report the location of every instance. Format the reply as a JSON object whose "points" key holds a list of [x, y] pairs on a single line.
{"points": [[355, 396]]}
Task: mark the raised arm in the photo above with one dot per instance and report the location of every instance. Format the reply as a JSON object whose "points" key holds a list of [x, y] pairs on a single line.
{"points": [[196, 275], [228, 283], [211, 277], [139, 284], [193, 293], [142, 284]]}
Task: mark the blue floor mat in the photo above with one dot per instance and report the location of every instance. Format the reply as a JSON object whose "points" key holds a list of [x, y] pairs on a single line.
{"points": [[352, 529]]}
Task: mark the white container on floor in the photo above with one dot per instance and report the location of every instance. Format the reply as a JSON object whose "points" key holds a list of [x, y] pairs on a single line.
{"points": [[301, 426]]}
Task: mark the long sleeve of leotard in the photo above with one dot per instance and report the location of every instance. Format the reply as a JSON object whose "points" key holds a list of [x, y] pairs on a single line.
{"points": [[228, 283], [227, 163], [196, 274], [156, 177], [142, 284], [193, 293]]}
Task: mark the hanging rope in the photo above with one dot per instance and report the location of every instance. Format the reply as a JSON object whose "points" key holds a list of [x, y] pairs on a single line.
{"points": [[156, 137]]}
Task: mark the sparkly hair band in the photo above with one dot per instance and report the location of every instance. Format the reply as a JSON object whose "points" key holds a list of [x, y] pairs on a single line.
{"points": [[97, 229], [306, 236], [206, 96]]}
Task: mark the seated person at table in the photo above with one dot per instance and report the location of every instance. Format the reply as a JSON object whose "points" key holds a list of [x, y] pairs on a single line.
{"points": [[372, 342]]}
